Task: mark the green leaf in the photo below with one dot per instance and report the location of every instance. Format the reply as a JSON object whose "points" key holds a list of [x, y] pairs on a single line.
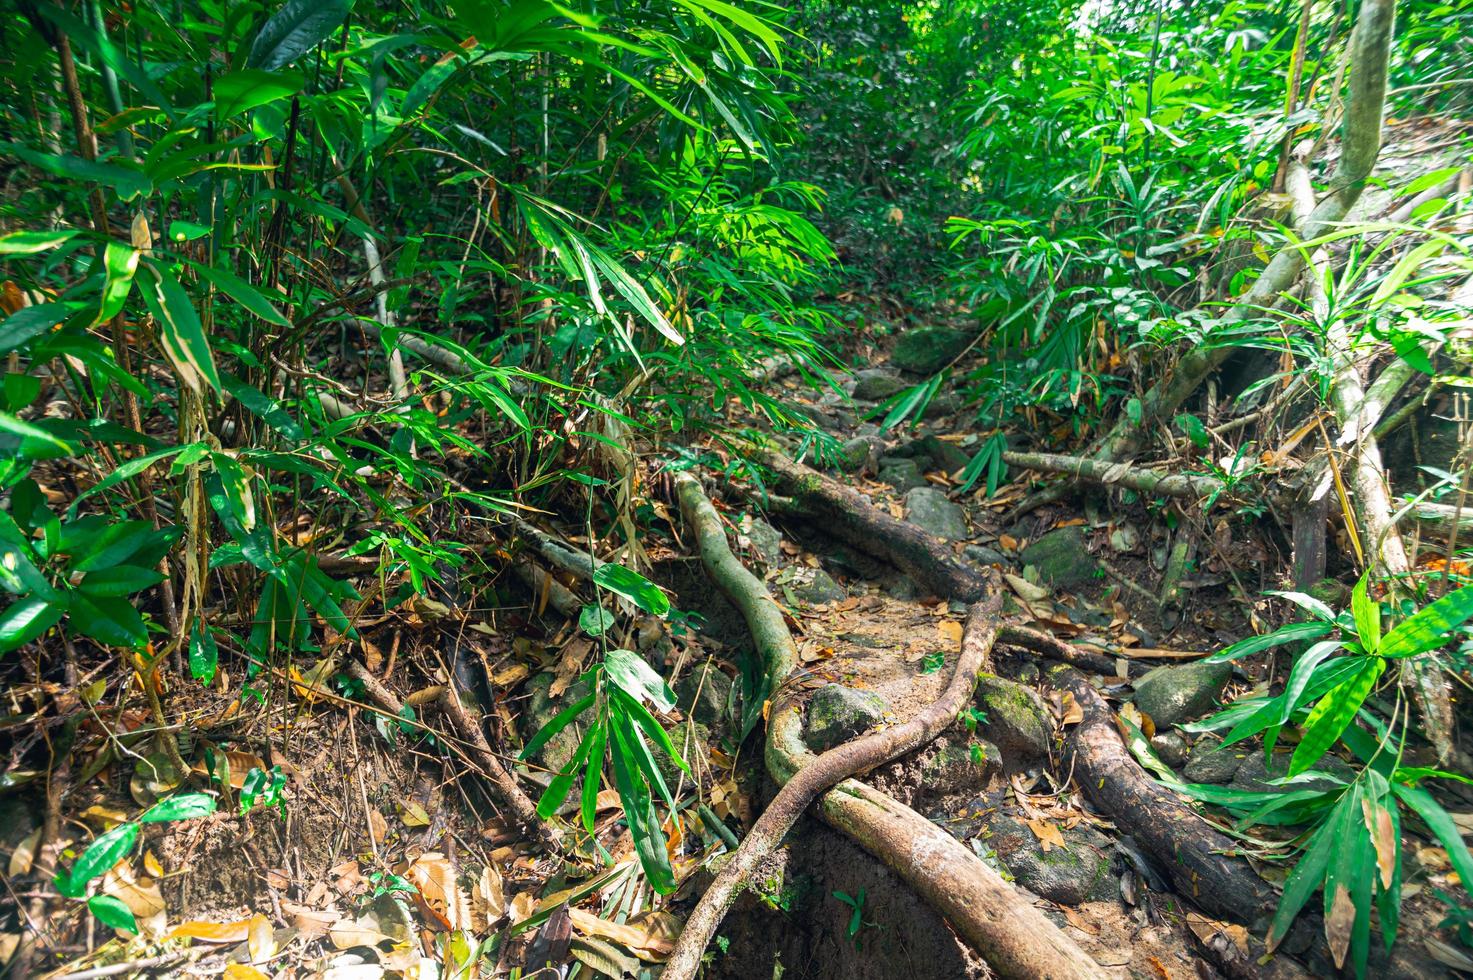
{"points": [[632, 586], [1255, 644], [100, 855], [185, 806], [631, 674], [113, 545], [31, 242], [298, 27], [131, 469], [110, 620], [592, 777], [204, 655], [112, 912], [639, 814], [1427, 628], [120, 580], [242, 292], [26, 619], [1367, 614], [249, 88], [129, 181], [641, 716], [26, 430], [1334, 712], [119, 262], [1309, 871], [180, 332], [1193, 429], [27, 324], [559, 721], [1300, 676], [595, 620]]}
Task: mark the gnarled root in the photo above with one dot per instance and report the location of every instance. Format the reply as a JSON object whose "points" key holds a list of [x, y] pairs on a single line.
{"points": [[1014, 937]]}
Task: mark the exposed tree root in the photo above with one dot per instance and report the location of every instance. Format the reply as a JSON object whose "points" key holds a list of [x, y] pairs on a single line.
{"points": [[1053, 648], [1187, 847], [1098, 471], [847, 515], [1013, 936]]}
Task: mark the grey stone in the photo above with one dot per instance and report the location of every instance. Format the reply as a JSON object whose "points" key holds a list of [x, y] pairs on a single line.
{"points": [[702, 694], [926, 350], [1077, 872], [838, 713], [944, 455], [1211, 763], [1174, 694], [1018, 723], [902, 587], [902, 474], [1170, 748], [766, 541], [821, 587], [930, 510], [1061, 558], [856, 453], [953, 767], [1254, 774], [945, 403], [981, 554], [877, 384], [542, 708]]}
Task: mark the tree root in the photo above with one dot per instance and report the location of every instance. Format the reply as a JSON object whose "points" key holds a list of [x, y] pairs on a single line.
{"points": [[1136, 478], [1013, 936], [1194, 854], [1053, 648]]}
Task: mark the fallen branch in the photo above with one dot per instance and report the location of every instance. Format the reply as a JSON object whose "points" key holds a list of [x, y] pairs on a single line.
{"points": [[1014, 937], [1136, 478]]}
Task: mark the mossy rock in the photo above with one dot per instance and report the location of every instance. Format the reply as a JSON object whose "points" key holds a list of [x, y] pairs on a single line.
{"points": [[1017, 722], [542, 708], [957, 766], [703, 694], [1077, 872], [926, 350], [837, 713], [1061, 558], [1174, 694]]}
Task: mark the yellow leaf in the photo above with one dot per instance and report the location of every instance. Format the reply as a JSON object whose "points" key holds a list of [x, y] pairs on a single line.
{"points": [[414, 815], [1047, 833], [151, 864], [24, 854], [950, 631], [242, 971], [212, 932]]}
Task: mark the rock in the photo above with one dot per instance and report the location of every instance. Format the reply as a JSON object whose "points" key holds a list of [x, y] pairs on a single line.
{"points": [[703, 695], [981, 554], [1018, 723], [960, 767], [876, 384], [1331, 592], [946, 456], [930, 510], [1211, 763], [945, 403], [540, 709], [1174, 694], [856, 453], [926, 350], [766, 542], [902, 474], [1061, 558], [820, 587], [1077, 872], [838, 713], [1254, 774], [1171, 748], [902, 587], [693, 741]]}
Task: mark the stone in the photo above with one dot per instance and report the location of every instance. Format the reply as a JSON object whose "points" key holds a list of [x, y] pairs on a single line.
{"points": [[945, 403], [703, 694], [693, 741], [1061, 558], [855, 454], [1331, 592], [877, 384], [930, 510], [1018, 722], [1171, 748], [542, 708], [981, 554], [926, 350], [1254, 774], [837, 713], [944, 455], [1174, 694], [902, 587], [1077, 872], [820, 587], [902, 474], [1211, 763], [960, 766], [766, 541]]}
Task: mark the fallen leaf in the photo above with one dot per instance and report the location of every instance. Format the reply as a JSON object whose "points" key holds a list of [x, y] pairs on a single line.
{"points": [[439, 896], [151, 864], [310, 923], [1078, 921], [950, 631], [1073, 714], [242, 971], [260, 939], [24, 854], [212, 932], [141, 895], [414, 815], [378, 827], [1047, 833], [488, 899], [651, 938], [1026, 590]]}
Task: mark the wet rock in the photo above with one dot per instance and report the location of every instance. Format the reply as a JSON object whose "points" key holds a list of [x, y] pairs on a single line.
{"points": [[1171, 748], [703, 694], [1254, 774], [930, 510], [1061, 558], [856, 453], [981, 554], [1077, 872], [1211, 763], [926, 350], [877, 384], [766, 542], [820, 587], [956, 766], [838, 713], [542, 708], [1174, 694], [902, 474], [1018, 723]]}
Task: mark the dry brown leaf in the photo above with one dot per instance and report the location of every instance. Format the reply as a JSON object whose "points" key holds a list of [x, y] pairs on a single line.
{"points": [[1047, 833], [650, 938], [1026, 590], [24, 854], [1158, 968], [212, 932], [1078, 921], [1383, 835], [378, 827], [240, 763], [522, 906], [439, 896], [950, 632], [488, 899], [1338, 924], [1072, 714], [260, 939], [141, 895], [1007, 542], [310, 923], [1204, 929]]}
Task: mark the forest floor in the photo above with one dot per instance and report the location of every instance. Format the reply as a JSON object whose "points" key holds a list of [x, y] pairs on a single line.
{"points": [[322, 884]]}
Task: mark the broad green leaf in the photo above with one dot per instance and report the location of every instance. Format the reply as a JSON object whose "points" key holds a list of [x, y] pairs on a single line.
{"points": [[632, 586], [1428, 628], [114, 545], [1309, 871], [185, 806], [112, 912], [119, 262], [558, 722], [631, 674], [296, 28], [595, 620], [120, 580], [27, 430], [1335, 711], [242, 292], [99, 856], [639, 814], [29, 323], [1292, 633], [1367, 612], [112, 621], [129, 181], [1315, 607], [557, 790], [204, 654], [131, 469], [241, 91], [26, 619], [1300, 676], [1440, 822], [1193, 429], [180, 331], [593, 777], [267, 409], [31, 242]]}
